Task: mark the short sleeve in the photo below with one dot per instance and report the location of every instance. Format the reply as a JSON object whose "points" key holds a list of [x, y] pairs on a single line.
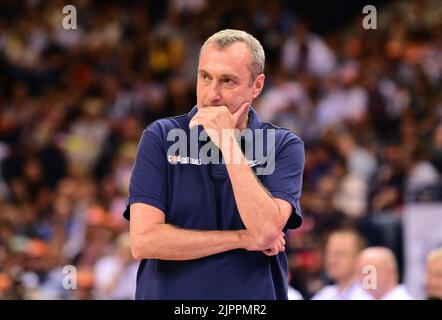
{"points": [[286, 180], [148, 182]]}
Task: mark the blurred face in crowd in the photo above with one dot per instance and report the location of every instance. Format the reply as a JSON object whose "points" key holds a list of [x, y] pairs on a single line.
{"points": [[381, 262], [434, 278], [340, 256], [224, 77]]}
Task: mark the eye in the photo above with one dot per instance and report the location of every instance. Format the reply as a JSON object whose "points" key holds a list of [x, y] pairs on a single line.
{"points": [[205, 77], [228, 81]]}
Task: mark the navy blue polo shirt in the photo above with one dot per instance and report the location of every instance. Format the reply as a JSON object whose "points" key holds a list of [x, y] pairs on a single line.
{"points": [[199, 196]]}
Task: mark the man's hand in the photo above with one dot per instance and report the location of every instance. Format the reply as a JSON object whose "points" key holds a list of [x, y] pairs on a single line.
{"points": [[216, 119], [250, 244], [277, 247]]}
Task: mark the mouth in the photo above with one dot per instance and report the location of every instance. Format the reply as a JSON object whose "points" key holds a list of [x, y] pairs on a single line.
{"points": [[213, 105]]}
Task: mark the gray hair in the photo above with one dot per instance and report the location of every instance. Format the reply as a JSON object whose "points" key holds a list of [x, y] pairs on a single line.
{"points": [[226, 37]]}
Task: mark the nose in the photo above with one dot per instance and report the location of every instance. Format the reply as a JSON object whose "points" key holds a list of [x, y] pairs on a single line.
{"points": [[214, 93]]}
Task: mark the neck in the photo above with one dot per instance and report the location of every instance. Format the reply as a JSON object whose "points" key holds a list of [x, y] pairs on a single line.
{"points": [[345, 284]]}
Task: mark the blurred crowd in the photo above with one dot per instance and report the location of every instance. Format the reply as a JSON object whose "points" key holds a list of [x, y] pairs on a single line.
{"points": [[73, 104]]}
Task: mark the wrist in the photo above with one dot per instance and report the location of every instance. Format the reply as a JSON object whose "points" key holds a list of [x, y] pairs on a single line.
{"points": [[227, 138], [231, 149], [245, 240], [242, 239]]}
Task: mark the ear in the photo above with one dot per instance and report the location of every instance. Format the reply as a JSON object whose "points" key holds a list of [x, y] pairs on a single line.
{"points": [[258, 85]]}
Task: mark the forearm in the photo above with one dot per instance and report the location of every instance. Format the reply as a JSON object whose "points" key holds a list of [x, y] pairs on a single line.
{"points": [[256, 207], [167, 242]]}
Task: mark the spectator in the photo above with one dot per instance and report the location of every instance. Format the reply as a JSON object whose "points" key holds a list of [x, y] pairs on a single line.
{"points": [[434, 274], [342, 249], [307, 52], [115, 274], [385, 272]]}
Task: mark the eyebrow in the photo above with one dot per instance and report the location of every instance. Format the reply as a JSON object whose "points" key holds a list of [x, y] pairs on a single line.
{"points": [[225, 75]]}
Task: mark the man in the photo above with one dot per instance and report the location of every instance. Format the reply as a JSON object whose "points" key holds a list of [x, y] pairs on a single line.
{"points": [[434, 274], [341, 252], [378, 274], [115, 273], [216, 230]]}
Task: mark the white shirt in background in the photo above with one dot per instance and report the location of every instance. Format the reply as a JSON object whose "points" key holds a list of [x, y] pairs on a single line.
{"points": [[294, 294], [332, 292], [400, 292]]}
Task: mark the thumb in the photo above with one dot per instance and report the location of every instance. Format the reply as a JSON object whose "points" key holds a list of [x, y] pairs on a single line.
{"points": [[240, 114]]}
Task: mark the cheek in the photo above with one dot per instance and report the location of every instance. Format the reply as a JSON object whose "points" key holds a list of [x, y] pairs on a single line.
{"points": [[200, 93], [199, 90], [234, 98], [428, 283], [361, 276], [330, 262]]}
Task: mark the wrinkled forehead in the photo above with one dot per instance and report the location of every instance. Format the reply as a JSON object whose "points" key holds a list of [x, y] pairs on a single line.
{"points": [[235, 56]]}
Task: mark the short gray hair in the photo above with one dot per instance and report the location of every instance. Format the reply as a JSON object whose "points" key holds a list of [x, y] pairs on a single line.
{"points": [[225, 38]]}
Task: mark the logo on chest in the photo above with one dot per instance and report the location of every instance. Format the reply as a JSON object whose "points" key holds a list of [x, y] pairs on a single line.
{"points": [[183, 160], [197, 149], [173, 160]]}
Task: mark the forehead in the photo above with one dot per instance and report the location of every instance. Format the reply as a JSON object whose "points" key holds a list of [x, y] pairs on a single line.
{"points": [[371, 259], [232, 59], [435, 265], [341, 241]]}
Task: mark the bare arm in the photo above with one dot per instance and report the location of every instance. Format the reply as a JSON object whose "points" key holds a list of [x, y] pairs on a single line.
{"points": [[263, 215], [152, 238]]}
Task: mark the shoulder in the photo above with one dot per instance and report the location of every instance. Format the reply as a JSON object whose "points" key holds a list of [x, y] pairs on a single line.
{"points": [[359, 293], [399, 293], [287, 144], [326, 293], [163, 125], [282, 135], [294, 294], [154, 138]]}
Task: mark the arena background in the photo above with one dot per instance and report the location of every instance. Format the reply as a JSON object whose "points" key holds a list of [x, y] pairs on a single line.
{"points": [[73, 104]]}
